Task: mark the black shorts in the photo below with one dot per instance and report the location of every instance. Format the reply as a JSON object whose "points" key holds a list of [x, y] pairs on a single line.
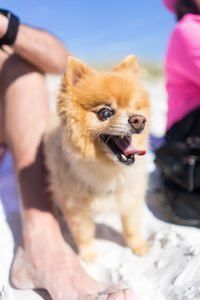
{"points": [[169, 158], [189, 126]]}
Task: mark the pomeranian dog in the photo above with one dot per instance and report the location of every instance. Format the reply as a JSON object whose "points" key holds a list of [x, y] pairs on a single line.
{"points": [[94, 151]]}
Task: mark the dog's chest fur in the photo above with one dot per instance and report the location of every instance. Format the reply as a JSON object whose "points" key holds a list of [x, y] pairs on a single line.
{"points": [[75, 182]]}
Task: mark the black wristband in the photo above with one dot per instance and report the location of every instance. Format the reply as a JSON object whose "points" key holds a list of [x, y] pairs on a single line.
{"points": [[13, 25]]}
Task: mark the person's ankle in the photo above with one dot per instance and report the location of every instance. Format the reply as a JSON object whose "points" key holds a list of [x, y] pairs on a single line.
{"points": [[37, 223]]}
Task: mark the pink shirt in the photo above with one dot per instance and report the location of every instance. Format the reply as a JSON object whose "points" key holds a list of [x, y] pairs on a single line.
{"points": [[183, 69]]}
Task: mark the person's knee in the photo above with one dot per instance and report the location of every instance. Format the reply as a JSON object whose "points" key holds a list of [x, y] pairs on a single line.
{"points": [[13, 68]]}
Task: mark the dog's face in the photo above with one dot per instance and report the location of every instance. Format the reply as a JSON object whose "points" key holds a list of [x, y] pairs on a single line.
{"points": [[104, 114]]}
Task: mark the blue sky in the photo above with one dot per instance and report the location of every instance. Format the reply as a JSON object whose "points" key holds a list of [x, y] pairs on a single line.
{"points": [[101, 30]]}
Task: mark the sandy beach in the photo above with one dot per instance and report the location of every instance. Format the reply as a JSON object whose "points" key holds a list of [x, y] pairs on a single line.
{"points": [[171, 269]]}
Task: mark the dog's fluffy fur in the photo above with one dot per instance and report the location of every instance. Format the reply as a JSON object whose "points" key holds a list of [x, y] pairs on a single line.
{"points": [[85, 176]]}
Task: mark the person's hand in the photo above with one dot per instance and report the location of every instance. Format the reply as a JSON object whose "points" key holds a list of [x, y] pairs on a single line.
{"points": [[3, 25]]}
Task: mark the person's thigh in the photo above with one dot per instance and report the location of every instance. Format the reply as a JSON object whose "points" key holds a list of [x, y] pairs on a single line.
{"points": [[3, 57], [1, 123]]}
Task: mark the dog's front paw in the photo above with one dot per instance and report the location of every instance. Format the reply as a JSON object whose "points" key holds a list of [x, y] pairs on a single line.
{"points": [[139, 246], [87, 252], [141, 249]]}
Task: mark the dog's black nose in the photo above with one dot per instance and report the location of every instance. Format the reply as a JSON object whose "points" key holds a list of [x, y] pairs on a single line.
{"points": [[137, 122]]}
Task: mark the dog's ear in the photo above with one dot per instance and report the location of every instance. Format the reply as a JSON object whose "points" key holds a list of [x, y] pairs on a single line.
{"points": [[75, 71], [128, 64]]}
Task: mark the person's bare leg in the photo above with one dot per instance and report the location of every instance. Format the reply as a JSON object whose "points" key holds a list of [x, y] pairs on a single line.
{"points": [[44, 260], [3, 56]]}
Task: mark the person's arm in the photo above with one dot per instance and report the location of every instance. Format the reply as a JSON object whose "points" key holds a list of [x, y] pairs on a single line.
{"points": [[38, 47]]}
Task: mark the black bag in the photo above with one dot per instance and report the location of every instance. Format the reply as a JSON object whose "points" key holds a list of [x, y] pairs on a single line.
{"points": [[180, 168]]}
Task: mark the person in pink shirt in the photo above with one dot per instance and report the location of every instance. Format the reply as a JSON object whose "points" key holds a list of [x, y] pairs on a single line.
{"points": [[178, 157], [182, 67]]}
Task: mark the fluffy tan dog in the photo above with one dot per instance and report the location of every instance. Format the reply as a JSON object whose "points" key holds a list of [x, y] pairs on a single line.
{"points": [[94, 151]]}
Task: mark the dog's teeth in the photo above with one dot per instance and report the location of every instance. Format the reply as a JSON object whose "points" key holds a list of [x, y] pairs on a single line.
{"points": [[123, 157]]}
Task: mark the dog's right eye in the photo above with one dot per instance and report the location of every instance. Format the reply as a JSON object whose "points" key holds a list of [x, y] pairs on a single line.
{"points": [[105, 113]]}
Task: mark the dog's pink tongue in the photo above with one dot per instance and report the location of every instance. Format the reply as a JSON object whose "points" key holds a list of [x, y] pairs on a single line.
{"points": [[125, 145]]}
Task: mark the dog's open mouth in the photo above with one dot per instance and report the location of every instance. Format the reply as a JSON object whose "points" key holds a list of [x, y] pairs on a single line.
{"points": [[122, 147]]}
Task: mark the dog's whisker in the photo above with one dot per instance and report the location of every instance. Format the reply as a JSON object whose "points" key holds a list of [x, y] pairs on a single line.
{"points": [[108, 138]]}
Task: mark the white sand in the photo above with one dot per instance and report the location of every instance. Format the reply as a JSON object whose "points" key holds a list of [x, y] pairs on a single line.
{"points": [[171, 269]]}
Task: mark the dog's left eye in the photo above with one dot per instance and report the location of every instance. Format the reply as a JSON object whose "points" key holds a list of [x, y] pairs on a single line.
{"points": [[105, 113]]}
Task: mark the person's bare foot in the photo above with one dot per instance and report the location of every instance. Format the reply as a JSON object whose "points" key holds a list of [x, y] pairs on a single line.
{"points": [[46, 261]]}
